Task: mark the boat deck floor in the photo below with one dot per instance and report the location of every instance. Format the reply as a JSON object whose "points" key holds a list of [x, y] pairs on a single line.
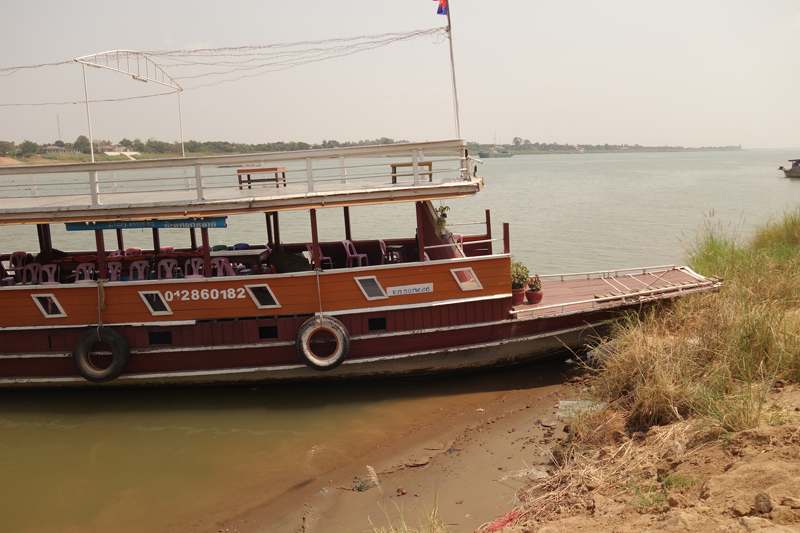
{"points": [[573, 294]]}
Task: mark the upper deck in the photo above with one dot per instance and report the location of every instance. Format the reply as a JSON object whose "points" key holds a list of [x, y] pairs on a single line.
{"points": [[207, 186]]}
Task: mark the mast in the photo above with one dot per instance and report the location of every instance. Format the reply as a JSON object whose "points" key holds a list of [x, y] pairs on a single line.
{"points": [[453, 70]]}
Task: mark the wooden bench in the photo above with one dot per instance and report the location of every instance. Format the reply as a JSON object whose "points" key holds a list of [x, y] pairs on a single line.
{"points": [[245, 178]]}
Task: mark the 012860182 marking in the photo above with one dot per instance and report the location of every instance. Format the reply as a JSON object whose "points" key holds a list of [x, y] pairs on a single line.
{"points": [[205, 294]]}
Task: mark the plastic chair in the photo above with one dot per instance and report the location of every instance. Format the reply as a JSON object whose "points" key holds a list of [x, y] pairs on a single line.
{"points": [[218, 247], [115, 253], [133, 251], [387, 256], [30, 274], [166, 249], [241, 246], [48, 274], [352, 254], [221, 267], [193, 268], [167, 269], [322, 258], [5, 279], [16, 263], [140, 271], [425, 256], [114, 270], [85, 272]]}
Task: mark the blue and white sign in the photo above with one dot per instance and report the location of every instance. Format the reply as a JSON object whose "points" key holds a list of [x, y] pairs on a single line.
{"points": [[205, 222], [409, 289]]}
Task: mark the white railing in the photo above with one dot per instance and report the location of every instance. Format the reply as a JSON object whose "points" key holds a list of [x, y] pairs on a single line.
{"points": [[306, 171]]}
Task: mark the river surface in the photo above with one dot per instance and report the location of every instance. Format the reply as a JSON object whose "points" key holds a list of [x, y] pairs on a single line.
{"points": [[155, 460]]}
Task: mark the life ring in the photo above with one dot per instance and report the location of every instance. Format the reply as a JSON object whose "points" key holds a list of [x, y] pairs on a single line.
{"points": [[82, 354], [330, 325]]}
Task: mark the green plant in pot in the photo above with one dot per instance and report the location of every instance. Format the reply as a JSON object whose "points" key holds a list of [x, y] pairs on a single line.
{"points": [[519, 282], [534, 293]]}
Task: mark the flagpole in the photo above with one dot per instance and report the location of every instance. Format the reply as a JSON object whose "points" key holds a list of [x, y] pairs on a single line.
{"points": [[453, 69]]}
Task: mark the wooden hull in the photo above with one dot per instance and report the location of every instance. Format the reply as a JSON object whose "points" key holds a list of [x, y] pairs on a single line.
{"points": [[423, 337]]}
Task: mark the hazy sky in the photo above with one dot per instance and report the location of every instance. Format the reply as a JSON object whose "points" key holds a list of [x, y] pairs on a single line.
{"points": [[685, 73]]}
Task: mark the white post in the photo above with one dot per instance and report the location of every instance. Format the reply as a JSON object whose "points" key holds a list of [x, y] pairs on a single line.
{"points": [[94, 188], [32, 181], [415, 166], [88, 117], [309, 175], [198, 179], [342, 169]]}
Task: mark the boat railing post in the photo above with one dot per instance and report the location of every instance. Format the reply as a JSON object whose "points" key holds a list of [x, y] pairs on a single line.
{"points": [[489, 231], [342, 169], [464, 164], [94, 188], [415, 166], [198, 178], [113, 181], [32, 181], [186, 177], [506, 239], [310, 174]]}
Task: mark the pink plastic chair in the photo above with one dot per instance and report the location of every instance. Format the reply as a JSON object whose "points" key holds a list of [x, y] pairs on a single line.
{"points": [[140, 271], [115, 253], [387, 256], [114, 271], [85, 272], [425, 256], [166, 249], [16, 263], [352, 254], [194, 268], [167, 269], [221, 267], [30, 274], [5, 279], [133, 251], [322, 258], [48, 274]]}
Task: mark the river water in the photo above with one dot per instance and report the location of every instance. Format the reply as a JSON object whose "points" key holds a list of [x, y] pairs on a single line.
{"points": [[156, 460]]}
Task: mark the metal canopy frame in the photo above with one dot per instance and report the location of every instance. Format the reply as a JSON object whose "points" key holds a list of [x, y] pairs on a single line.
{"points": [[139, 67]]}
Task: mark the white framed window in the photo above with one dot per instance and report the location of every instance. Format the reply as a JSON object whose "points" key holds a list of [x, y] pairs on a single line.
{"points": [[262, 296], [48, 305], [466, 279], [371, 287], [155, 302]]}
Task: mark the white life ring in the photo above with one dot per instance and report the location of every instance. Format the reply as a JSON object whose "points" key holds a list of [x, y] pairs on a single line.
{"points": [[330, 325]]}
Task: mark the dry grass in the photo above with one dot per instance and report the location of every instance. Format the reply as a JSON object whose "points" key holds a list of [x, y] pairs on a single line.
{"points": [[430, 523]]}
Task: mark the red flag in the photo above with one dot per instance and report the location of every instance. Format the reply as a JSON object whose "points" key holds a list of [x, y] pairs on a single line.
{"points": [[442, 10]]}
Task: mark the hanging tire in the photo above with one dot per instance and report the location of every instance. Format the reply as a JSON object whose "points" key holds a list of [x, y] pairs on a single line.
{"points": [[325, 361], [82, 354]]}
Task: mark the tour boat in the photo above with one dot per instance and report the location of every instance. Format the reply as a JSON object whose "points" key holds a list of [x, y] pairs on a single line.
{"points": [[432, 301], [793, 171]]}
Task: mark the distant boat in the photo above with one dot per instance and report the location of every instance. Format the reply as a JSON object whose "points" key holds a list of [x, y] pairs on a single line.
{"points": [[793, 172], [495, 152]]}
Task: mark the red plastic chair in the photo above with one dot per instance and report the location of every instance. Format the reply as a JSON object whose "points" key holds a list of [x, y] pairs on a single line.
{"points": [[16, 263], [85, 272], [30, 274], [352, 254], [140, 271], [194, 268], [114, 271], [49, 274], [167, 269], [221, 267], [166, 249], [322, 258]]}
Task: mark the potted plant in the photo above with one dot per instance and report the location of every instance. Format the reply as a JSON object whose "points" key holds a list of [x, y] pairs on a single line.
{"points": [[441, 220], [534, 293], [519, 282]]}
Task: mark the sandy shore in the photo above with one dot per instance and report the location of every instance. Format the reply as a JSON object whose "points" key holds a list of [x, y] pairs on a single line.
{"points": [[470, 463]]}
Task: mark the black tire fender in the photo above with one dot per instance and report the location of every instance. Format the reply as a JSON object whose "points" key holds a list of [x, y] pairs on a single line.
{"points": [[82, 354], [332, 326]]}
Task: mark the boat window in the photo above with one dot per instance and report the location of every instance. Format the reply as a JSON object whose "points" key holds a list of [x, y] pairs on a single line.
{"points": [[377, 324], [371, 288], [155, 303], [157, 338], [466, 279], [267, 332], [48, 305], [262, 296]]}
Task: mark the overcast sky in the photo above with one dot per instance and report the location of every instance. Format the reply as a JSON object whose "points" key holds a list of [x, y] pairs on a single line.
{"points": [[688, 73]]}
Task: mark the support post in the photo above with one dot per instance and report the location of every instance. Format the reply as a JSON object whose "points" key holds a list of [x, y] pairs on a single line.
{"points": [[102, 269], [347, 234], [206, 253], [489, 231], [420, 239], [193, 238], [88, 116], [315, 252], [277, 232], [270, 239], [506, 239], [156, 241], [120, 241]]}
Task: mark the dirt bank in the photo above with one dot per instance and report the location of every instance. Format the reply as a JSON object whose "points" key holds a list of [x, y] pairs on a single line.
{"points": [[10, 161]]}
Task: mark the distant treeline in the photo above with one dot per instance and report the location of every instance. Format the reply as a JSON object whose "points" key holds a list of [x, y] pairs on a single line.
{"points": [[520, 146], [153, 146]]}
